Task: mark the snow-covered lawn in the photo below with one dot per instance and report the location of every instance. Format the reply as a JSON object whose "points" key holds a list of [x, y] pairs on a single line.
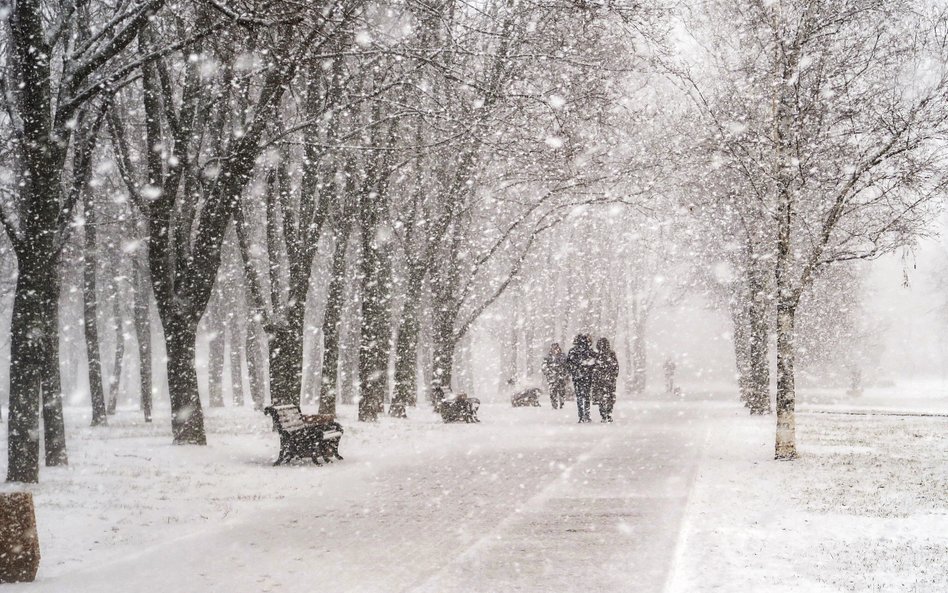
{"points": [[677, 496], [865, 508]]}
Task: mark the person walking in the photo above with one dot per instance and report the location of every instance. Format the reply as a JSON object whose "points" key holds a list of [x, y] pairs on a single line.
{"points": [[605, 375], [579, 362], [554, 370]]}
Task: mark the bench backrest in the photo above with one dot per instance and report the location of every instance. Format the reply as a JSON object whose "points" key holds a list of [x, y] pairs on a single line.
{"points": [[288, 417]]}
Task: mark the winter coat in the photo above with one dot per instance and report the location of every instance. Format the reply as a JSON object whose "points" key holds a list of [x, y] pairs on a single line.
{"points": [[554, 368], [580, 362], [605, 375]]}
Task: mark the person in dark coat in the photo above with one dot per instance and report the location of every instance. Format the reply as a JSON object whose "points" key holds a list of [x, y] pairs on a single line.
{"points": [[580, 362], [605, 375], [554, 370]]}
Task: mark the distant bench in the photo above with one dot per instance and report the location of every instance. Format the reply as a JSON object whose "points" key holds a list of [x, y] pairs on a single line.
{"points": [[528, 397], [305, 436], [459, 408]]}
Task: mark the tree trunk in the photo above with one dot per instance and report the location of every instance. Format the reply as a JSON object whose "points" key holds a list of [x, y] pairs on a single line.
{"points": [[740, 316], [758, 351], [233, 345], [786, 447], [443, 342], [54, 430], [349, 349], [255, 370], [286, 356], [187, 416], [442, 368], [215, 354], [406, 348], [34, 302], [143, 336], [787, 298], [331, 327], [90, 316], [375, 337], [115, 377]]}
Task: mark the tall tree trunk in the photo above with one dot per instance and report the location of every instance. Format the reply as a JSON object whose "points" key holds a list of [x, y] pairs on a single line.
{"points": [[758, 350], [444, 342], [286, 356], [115, 377], [742, 359], [234, 347], [255, 366], [375, 338], [785, 445], [215, 353], [187, 416], [349, 344], [406, 347], [442, 372], [328, 392], [54, 430], [143, 335], [34, 303], [90, 315]]}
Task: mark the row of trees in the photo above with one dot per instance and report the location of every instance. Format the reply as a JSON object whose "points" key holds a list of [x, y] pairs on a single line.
{"points": [[202, 158]]}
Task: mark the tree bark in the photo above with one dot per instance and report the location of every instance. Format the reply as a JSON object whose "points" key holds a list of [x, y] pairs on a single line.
{"points": [[115, 377], [375, 336], [741, 327], [215, 354], [443, 367], [286, 356], [758, 350], [406, 348], [31, 333], [255, 367], [54, 429], [90, 315], [786, 447], [143, 336], [187, 416], [328, 391], [234, 347], [787, 298]]}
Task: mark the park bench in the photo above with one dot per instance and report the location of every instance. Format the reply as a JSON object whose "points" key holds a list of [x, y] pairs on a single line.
{"points": [[460, 408], [303, 436], [527, 397]]}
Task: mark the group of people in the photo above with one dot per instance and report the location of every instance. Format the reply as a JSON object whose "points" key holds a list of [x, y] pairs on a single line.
{"points": [[593, 371]]}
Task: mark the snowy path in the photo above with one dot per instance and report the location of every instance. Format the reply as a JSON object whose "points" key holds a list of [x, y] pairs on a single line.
{"points": [[525, 501]]}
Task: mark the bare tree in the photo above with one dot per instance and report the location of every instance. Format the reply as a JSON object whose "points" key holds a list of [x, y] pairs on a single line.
{"points": [[832, 117]]}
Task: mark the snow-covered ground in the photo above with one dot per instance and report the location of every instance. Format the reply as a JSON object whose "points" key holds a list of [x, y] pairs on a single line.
{"points": [[865, 508], [676, 496]]}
